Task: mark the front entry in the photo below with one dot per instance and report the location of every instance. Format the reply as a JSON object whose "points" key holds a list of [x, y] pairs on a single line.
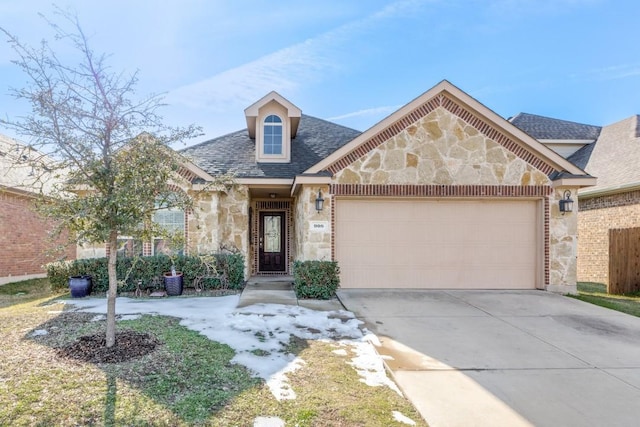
{"points": [[271, 244]]}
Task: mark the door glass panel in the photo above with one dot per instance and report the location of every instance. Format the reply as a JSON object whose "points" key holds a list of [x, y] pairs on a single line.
{"points": [[272, 233]]}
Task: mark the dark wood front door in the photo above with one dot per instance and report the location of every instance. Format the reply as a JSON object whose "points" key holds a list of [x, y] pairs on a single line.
{"points": [[272, 252]]}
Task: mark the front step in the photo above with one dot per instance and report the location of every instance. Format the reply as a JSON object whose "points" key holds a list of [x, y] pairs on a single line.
{"points": [[271, 286], [275, 290]]}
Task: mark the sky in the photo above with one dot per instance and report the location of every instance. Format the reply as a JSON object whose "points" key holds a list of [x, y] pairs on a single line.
{"points": [[259, 334], [349, 61]]}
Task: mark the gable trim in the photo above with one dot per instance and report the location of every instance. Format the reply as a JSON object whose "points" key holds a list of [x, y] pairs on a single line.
{"points": [[460, 104]]}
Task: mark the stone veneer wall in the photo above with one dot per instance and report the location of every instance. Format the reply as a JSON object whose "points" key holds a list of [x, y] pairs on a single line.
{"points": [[563, 243], [441, 148], [220, 219], [596, 216], [312, 245], [203, 223], [234, 219]]}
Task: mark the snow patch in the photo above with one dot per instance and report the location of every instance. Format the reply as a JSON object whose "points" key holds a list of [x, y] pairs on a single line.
{"points": [[398, 416], [268, 422], [260, 334], [369, 365], [278, 383]]}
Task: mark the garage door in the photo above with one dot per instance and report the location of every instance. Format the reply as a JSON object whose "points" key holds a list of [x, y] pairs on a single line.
{"points": [[437, 244]]}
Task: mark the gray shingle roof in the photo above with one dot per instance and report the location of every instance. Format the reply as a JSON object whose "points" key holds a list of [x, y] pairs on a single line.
{"points": [[615, 156], [540, 127], [236, 152]]}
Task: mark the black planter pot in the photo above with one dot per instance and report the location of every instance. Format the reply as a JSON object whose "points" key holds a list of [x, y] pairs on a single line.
{"points": [[173, 284], [80, 286]]}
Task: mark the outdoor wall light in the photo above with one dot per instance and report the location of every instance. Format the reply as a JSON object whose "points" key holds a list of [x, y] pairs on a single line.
{"points": [[566, 204], [319, 201]]}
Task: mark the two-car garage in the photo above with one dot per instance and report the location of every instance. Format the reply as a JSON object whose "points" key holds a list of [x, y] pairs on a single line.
{"points": [[439, 243]]}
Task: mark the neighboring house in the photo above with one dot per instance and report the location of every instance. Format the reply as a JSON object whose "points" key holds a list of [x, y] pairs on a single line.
{"points": [[443, 193], [612, 154], [24, 236]]}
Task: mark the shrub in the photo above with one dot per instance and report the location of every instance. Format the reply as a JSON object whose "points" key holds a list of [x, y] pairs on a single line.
{"points": [[224, 271], [315, 279]]}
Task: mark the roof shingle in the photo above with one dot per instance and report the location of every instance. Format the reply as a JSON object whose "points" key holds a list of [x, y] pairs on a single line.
{"points": [[235, 153], [540, 127]]}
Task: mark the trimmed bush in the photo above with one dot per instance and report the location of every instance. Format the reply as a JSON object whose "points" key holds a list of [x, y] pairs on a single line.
{"points": [[315, 279], [216, 271]]}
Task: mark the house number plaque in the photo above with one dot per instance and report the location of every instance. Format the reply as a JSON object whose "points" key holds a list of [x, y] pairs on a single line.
{"points": [[319, 226]]}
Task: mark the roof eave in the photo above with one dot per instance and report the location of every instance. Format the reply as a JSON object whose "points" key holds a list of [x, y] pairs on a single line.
{"points": [[300, 180], [575, 181], [606, 191]]}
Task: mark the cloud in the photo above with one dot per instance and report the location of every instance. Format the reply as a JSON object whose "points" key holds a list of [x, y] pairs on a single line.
{"points": [[281, 71], [614, 72], [284, 70], [376, 111]]}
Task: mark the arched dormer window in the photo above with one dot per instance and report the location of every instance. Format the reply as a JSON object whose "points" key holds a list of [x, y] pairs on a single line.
{"points": [[272, 135]]}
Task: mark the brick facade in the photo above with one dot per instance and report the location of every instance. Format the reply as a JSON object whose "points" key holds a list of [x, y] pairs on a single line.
{"points": [[23, 237], [595, 217]]}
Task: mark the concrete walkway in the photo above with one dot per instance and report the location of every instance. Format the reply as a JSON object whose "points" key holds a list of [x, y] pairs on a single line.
{"points": [[506, 358], [279, 290]]}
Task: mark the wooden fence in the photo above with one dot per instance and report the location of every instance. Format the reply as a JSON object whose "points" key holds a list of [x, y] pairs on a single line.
{"points": [[624, 260]]}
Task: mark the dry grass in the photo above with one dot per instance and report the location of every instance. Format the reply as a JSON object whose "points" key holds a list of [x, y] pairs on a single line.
{"points": [[188, 380]]}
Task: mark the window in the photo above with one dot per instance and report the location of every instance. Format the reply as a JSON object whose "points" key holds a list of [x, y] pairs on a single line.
{"points": [[128, 247], [171, 220], [273, 135]]}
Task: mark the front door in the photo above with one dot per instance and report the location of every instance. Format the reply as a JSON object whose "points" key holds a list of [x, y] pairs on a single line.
{"points": [[272, 242]]}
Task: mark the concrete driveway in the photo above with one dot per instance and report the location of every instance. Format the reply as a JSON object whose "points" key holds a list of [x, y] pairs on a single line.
{"points": [[506, 358]]}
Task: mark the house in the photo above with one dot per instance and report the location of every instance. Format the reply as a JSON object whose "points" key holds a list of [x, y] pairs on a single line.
{"points": [[611, 153], [24, 236], [443, 193]]}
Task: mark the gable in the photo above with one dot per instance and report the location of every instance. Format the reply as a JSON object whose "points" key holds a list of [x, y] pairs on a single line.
{"points": [[441, 149], [459, 117]]}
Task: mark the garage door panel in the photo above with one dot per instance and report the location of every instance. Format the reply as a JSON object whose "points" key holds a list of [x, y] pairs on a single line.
{"points": [[421, 243]]}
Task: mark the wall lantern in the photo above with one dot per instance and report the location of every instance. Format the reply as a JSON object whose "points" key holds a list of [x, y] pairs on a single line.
{"points": [[566, 204], [319, 201]]}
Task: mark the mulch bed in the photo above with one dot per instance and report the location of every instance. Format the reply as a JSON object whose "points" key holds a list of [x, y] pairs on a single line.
{"points": [[92, 348]]}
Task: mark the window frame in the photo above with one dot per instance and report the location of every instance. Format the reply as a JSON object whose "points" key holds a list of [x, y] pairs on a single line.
{"points": [[273, 125], [265, 120]]}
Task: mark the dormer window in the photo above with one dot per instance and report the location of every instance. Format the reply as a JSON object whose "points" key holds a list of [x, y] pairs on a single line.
{"points": [[273, 123], [272, 135]]}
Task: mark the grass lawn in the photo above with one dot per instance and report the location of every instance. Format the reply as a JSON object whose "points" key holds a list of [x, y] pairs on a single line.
{"points": [[187, 380], [27, 290], [596, 293]]}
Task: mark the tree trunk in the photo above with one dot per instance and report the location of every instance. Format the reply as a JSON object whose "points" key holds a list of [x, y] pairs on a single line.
{"points": [[113, 289]]}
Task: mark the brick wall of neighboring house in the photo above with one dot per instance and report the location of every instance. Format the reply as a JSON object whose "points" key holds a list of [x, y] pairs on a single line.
{"points": [[595, 217], [23, 237]]}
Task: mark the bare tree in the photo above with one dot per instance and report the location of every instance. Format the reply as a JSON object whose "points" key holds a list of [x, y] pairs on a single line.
{"points": [[111, 158]]}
